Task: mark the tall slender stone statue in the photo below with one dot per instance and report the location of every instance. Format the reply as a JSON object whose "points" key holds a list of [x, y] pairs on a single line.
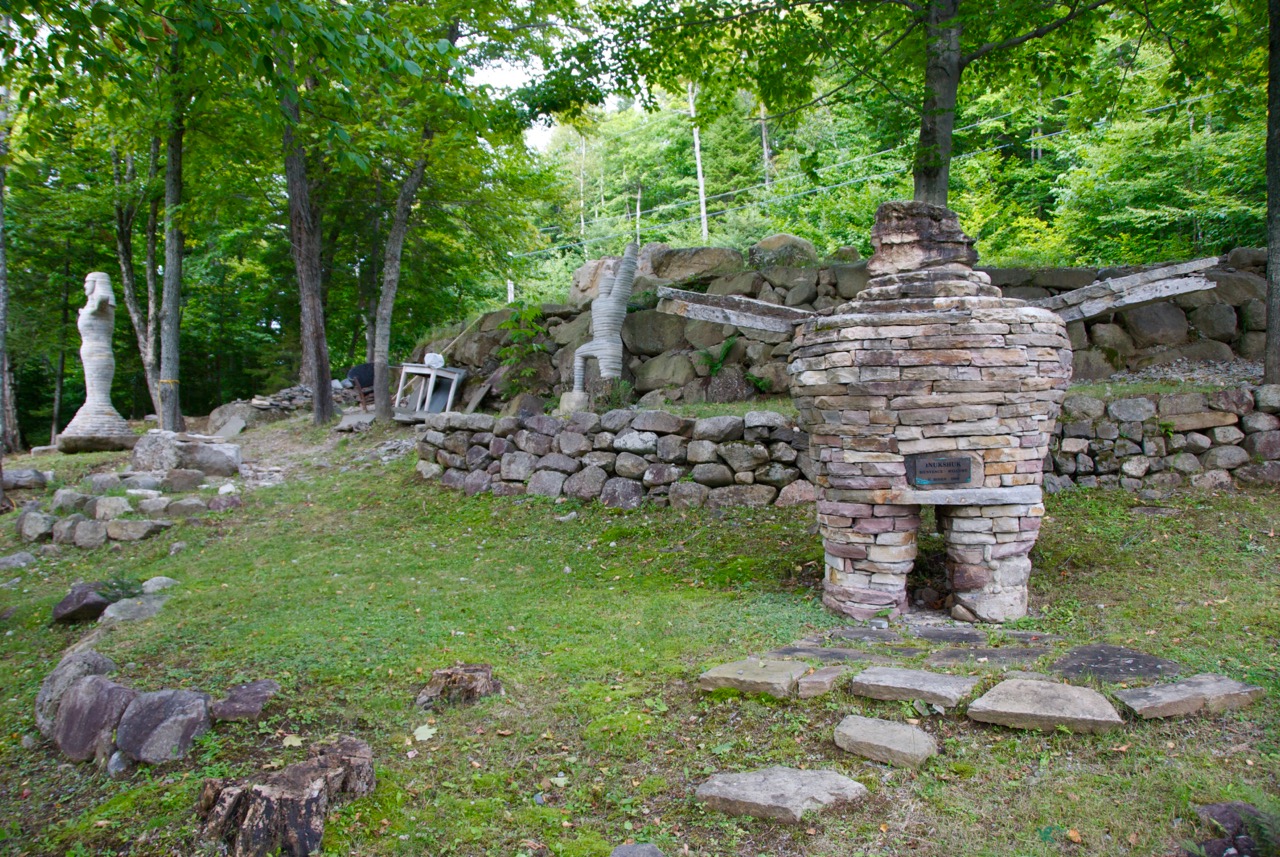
{"points": [[97, 426], [608, 312]]}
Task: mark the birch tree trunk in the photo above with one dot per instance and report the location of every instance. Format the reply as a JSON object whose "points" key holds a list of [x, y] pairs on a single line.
{"points": [[126, 214], [170, 412], [938, 118], [306, 241], [62, 346], [767, 156], [382, 405], [697, 161]]}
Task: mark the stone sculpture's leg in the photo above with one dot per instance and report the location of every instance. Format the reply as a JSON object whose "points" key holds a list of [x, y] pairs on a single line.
{"points": [[869, 552], [988, 560]]}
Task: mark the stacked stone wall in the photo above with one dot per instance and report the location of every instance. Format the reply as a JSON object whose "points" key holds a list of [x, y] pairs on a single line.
{"points": [[1138, 443], [1158, 443], [622, 458]]}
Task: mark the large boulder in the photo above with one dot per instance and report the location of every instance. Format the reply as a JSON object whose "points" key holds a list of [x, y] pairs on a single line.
{"points": [[160, 726], [159, 450], [663, 371], [69, 670], [87, 718], [1215, 321], [1237, 287], [35, 526], [782, 249], [691, 263], [1156, 324], [25, 478], [223, 414], [650, 332]]}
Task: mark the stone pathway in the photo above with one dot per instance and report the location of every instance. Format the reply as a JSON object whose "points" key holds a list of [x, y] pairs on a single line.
{"points": [[1114, 664], [891, 683], [885, 741], [1045, 706], [1204, 692]]}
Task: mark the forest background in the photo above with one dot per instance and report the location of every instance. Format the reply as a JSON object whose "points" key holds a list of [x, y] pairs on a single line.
{"points": [[1142, 148]]}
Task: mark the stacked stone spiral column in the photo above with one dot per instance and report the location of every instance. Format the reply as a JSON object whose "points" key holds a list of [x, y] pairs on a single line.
{"points": [[929, 389]]}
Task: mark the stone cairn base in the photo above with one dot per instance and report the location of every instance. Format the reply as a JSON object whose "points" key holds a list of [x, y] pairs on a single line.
{"points": [[930, 389], [96, 428]]}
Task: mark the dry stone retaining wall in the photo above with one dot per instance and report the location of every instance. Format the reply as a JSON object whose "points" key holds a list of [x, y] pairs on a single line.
{"points": [[1155, 442], [1163, 442], [622, 457]]}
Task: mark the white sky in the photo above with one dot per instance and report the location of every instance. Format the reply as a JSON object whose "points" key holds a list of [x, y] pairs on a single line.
{"points": [[509, 77]]}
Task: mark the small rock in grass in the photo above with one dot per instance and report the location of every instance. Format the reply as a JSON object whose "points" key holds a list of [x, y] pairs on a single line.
{"points": [[819, 682], [245, 701]]}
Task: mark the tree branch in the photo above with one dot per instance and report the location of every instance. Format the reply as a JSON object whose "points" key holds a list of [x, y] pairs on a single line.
{"points": [[1037, 33]]}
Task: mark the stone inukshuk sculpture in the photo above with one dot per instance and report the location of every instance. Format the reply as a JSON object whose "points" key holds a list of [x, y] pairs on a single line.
{"points": [[608, 312], [97, 425], [929, 389]]}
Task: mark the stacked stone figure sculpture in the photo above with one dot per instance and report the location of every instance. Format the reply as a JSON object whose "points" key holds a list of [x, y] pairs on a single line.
{"points": [[608, 311], [97, 426], [930, 388]]}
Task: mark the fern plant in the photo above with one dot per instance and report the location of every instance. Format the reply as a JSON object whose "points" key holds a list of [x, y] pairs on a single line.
{"points": [[714, 359]]}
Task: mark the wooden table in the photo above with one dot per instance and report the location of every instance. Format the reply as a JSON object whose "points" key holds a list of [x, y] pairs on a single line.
{"points": [[416, 392]]}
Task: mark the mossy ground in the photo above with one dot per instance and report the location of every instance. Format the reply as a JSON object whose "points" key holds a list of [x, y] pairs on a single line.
{"points": [[348, 588]]}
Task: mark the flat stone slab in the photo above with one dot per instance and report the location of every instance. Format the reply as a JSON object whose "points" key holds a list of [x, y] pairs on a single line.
{"points": [[885, 741], [894, 683], [645, 850], [867, 635], [835, 655], [948, 634], [778, 793], [1204, 692], [1114, 664], [755, 675], [993, 658], [820, 682], [1045, 706]]}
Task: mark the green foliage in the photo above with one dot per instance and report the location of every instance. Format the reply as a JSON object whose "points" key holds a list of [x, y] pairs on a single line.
{"points": [[118, 587], [523, 329], [763, 385], [715, 358], [616, 393]]}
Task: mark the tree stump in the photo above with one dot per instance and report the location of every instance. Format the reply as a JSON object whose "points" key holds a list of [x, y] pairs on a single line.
{"points": [[286, 812], [461, 683]]}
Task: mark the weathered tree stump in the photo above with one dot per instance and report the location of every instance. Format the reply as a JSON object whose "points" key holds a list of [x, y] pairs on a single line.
{"points": [[461, 683], [286, 812]]}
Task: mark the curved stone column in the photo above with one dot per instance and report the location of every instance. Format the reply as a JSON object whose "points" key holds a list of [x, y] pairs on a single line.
{"points": [[97, 425]]}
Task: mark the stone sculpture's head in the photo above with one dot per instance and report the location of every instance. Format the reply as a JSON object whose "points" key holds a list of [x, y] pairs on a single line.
{"points": [[99, 283]]}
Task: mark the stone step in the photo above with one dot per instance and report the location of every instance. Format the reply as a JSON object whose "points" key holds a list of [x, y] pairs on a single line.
{"points": [[778, 793], [885, 741], [1045, 706], [755, 675], [835, 654], [893, 683], [1204, 692]]}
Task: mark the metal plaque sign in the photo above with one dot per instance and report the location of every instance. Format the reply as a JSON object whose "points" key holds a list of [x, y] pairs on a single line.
{"points": [[938, 470]]}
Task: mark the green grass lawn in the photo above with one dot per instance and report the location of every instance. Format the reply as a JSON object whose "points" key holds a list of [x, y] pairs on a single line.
{"points": [[351, 587]]}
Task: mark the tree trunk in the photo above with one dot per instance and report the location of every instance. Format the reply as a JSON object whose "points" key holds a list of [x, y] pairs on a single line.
{"points": [[382, 405], [305, 238], [153, 229], [62, 345], [697, 162], [938, 118], [170, 307], [4, 262], [1271, 358], [764, 145], [12, 431], [126, 213]]}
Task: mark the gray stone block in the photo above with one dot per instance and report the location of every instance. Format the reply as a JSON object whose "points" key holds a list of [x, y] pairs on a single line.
{"points": [[1045, 706], [884, 741]]}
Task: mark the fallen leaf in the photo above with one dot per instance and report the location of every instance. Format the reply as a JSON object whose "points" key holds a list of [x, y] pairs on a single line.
{"points": [[1074, 836], [504, 732], [1133, 839], [412, 754], [292, 741], [812, 831], [424, 733]]}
